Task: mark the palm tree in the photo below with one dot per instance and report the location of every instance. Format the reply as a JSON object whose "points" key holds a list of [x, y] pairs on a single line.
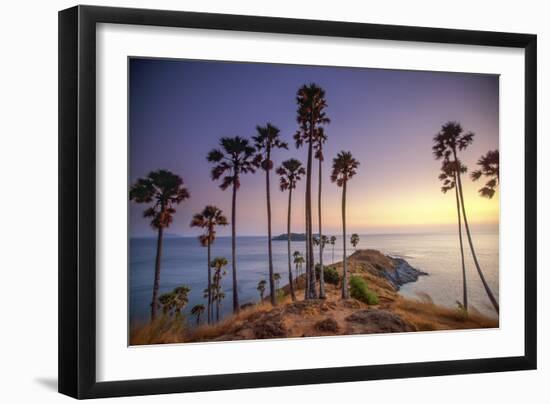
{"points": [[489, 164], [219, 295], [320, 139], [344, 167], [163, 190], [261, 288], [266, 140], [277, 278], [197, 310], [218, 264], [208, 219], [333, 243], [448, 177], [174, 302], [447, 143], [233, 158], [354, 240], [298, 261], [311, 116], [290, 173]]}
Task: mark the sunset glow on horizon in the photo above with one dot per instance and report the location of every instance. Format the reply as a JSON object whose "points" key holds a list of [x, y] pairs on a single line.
{"points": [[386, 118]]}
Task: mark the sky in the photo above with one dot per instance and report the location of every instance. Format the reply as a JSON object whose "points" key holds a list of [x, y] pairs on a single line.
{"points": [[179, 109]]}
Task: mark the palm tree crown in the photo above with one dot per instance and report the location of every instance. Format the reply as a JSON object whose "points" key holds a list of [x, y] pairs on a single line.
{"points": [[448, 174], [311, 105], [265, 141], [163, 189], [344, 166], [354, 239], [450, 139], [175, 301], [489, 164], [209, 218], [235, 157], [291, 172]]}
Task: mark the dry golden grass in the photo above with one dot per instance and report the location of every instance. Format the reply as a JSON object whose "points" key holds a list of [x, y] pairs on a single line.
{"points": [[169, 330], [427, 316]]}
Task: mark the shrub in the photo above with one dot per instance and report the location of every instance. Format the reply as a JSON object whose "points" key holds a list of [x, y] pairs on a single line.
{"points": [[360, 291], [330, 273]]}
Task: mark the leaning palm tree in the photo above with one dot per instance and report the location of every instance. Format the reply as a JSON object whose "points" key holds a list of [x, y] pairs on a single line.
{"points": [[310, 117], [447, 143], [234, 158], [344, 167], [208, 219], [163, 190], [290, 173], [320, 139], [266, 140], [197, 310], [449, 178], [354, 240], [489, 164], [332, 243], [299, 262], [218, 264], [261, 288]]}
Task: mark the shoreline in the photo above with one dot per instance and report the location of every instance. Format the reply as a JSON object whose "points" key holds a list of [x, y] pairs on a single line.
{"points": [[392, 312]]}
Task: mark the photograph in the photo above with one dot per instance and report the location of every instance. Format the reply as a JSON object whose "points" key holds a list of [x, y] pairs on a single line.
{"points": [[275, 201]]}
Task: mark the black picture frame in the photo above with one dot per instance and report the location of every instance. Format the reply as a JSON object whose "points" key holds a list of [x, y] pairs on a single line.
{"points": [[77, 207]]}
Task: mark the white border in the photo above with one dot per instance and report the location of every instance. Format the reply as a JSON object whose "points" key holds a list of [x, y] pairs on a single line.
{"points": [[115, 361]]}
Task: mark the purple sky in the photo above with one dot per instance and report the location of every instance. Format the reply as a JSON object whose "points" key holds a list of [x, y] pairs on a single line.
{"points": [[387, 118]]}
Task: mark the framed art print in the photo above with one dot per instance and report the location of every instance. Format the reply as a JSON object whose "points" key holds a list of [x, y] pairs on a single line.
{"points": [[251, 201]]}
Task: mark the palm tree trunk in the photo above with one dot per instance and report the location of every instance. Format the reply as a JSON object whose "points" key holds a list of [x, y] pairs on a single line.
{"points": [[345, 292], [234, 249], [290, 281], [209, 284], [156, 283], [311, 260], [269, 248], [321, 244], [464, 287], [483, 281], [333, 253]]}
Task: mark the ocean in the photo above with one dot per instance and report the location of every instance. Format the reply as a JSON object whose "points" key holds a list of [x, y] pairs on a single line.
{"points": [[184, 263]]}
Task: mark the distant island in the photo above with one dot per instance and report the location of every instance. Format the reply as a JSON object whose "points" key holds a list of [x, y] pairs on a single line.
{"points": [[293, 237]]}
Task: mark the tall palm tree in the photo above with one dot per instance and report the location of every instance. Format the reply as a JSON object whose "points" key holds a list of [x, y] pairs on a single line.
{"points": [[489, 164], [447, 143], [344, 167], [354, 240], [290, 173], [197, 310], [163, 190], [261, 288], [266, 140], [449, 179], [298, 261], [208, 219], [310, 117], [320, 139], [234, 158], [218, 264], [333, 243]]}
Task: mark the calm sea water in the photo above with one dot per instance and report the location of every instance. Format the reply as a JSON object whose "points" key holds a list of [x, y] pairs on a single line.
{"points": [[184, 262]]}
